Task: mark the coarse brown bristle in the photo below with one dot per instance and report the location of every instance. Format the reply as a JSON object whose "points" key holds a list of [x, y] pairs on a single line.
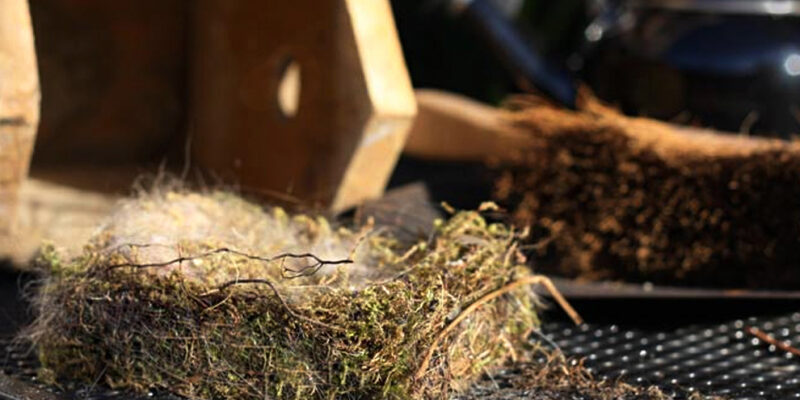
{"points": [[615, 197], [209, 296]]}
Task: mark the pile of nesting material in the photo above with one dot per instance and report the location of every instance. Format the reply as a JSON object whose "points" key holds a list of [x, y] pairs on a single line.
{"points": [[209, 296], [608, 196]]}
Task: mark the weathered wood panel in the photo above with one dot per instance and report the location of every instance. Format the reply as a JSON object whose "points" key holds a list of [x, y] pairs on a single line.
{"points": [[19, 106], [113, 79], [355, 102]]}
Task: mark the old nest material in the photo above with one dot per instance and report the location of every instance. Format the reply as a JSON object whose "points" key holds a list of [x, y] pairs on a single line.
{"points": [[608, 196], [212, 297]]}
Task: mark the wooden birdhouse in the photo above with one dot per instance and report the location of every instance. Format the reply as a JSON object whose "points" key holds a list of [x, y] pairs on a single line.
{"points": [[305, 98]]}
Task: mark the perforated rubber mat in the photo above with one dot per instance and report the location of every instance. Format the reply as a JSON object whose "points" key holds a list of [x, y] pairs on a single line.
{"points": [[724, 359]]}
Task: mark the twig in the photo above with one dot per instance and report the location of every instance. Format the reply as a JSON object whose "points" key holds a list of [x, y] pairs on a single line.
{"points": [[528, 280], [305, 271], [771, 340]]}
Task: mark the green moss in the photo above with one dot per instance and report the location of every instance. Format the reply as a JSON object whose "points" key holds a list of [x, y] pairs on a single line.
{"points": [[341, 334]]}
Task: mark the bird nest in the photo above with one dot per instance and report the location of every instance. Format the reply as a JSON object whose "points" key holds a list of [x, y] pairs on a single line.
{"points": [[209, 296]]}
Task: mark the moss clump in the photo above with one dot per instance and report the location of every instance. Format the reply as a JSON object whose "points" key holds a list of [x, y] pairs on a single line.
{"points": [[220, 323]]}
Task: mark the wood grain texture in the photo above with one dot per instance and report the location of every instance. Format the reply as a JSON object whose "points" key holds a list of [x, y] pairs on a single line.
{"points": [[451, 127], [355, 104], [19, 106], [55, 213], [113, 77]]}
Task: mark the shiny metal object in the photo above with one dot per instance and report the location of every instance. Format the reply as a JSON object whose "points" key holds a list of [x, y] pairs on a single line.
{"points": [[744, 7], [509, 8]]}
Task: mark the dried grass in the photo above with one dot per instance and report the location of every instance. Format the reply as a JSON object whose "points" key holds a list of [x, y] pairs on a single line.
{"points": [[209, 296]]}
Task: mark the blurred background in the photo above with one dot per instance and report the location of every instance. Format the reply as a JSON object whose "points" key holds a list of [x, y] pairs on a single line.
{"points": [[444, 51], [731, 65]]}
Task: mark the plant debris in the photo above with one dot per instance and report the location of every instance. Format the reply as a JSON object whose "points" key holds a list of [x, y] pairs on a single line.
{"points": [[209, 296], [555, 377], [613, 197]]}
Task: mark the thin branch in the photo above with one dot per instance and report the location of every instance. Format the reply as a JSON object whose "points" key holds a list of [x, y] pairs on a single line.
{"points": [[771, 340], [304, 271], [294, 273]]}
